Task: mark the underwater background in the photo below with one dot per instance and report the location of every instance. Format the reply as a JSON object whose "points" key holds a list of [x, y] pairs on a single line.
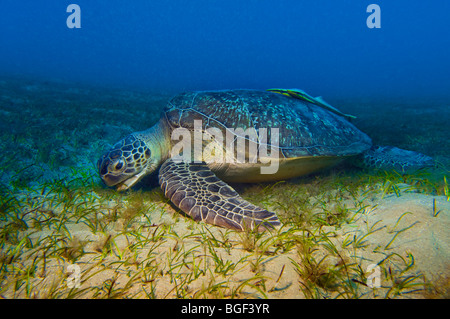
{"points": [[67, 94], [324, 47]]}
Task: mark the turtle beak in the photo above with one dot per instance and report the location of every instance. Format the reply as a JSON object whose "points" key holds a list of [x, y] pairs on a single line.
{"points": [[111, 180], [102, 165], [130, 182]]}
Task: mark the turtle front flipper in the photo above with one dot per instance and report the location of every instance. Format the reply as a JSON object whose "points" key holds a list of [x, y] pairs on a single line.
{"points": [[197, 191]]}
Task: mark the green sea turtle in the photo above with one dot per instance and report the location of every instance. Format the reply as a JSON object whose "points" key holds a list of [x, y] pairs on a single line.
{"points": [[311, 135]]}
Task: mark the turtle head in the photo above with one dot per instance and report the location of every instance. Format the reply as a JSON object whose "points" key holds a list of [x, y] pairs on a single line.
{"points": [[126, 162]]}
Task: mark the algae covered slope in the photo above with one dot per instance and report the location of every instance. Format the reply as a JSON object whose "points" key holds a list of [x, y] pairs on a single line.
{"points": [[64, 234]]}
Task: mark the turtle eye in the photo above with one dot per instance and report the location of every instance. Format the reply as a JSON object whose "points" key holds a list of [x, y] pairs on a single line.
{"points": [[119, 165]]}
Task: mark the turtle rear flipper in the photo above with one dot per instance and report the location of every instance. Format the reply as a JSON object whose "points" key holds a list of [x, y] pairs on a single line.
{"points": [[197, 191], [389, 157]]}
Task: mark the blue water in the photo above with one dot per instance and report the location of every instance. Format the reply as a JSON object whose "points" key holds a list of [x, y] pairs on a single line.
{"points": [[322, 46]]}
